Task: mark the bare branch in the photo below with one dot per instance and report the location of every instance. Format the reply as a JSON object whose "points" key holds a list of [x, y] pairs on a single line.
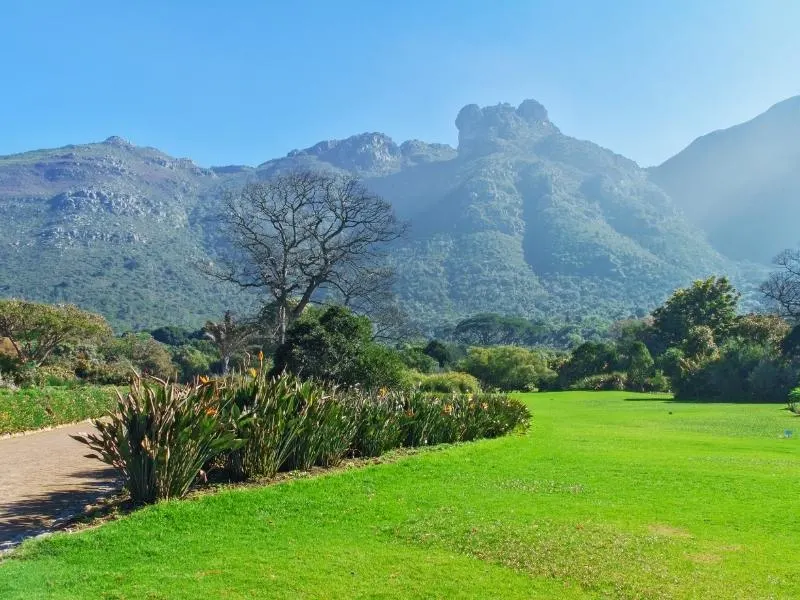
{"points": [[304, 233]]}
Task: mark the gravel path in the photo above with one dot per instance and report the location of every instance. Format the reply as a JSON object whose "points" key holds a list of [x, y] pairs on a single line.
{"points": [[45, 479]]}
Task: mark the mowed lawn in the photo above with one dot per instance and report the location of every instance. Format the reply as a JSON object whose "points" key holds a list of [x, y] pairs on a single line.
{"points": [[609, 495]]}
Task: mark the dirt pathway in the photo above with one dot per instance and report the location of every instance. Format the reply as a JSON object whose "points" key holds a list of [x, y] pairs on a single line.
{"points": [[45, 479]]}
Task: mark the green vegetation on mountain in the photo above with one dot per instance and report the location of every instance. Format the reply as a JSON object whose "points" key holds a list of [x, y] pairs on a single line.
{"points": [[519, 219]]}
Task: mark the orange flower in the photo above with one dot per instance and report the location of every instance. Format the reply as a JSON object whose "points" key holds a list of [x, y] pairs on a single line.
{"points": [[261, 356], [211, 412], [204, 380]]}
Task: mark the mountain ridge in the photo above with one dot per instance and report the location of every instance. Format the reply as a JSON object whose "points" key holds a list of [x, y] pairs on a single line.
{"points": [[519, 218]]}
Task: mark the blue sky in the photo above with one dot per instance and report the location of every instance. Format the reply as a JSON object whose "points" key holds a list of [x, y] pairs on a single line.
{"points": [[239, 82]]}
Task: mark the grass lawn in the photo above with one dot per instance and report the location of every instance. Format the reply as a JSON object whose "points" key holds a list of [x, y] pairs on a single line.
{"points": [[34, 408], [609, 495]]}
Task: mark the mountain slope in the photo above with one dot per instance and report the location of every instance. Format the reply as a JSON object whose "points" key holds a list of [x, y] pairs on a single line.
{"points": [[742, 184], [112, 227], [518, 219]]}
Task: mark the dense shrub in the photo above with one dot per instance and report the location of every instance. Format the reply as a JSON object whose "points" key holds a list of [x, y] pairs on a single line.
{"points": [[333, 344], [590, 358], [141, 353], [161, 435], [793, 401], [415, 359], [508, 368], [448, 383], [615, 381]]}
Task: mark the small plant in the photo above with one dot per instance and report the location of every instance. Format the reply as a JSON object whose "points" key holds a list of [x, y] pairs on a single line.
{"points": [[793, 402], [161, 435]]}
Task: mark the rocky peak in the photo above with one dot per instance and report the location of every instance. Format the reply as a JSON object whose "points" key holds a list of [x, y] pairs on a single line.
{"points": [[492, 128], [366, 152], [115, 140]]}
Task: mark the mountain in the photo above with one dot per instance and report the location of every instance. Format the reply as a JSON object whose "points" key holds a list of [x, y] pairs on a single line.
{"points": [[742, 184], [112, 227], [519, 218]]}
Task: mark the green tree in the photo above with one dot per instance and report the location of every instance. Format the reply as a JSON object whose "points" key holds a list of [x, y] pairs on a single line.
{"points": [[709, 303], [640, 366], [334, 344], [141, 353], [490, 329], [590, 358], [36, 330], [444, 354]]}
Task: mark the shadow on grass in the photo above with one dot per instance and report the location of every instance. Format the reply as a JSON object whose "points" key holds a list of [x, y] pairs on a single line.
{"points": [[695, 401]]}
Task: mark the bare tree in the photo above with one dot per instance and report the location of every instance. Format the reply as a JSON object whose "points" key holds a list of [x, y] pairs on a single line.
{"points": [[304, 233], [782, 288]]}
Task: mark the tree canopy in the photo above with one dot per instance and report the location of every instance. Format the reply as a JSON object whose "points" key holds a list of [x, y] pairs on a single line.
{"points": [[304, 234], [710, 302], [36, 330]]}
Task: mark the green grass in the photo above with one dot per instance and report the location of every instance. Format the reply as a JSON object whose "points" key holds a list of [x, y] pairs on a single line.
{"points": [[605, 497], [34, 408]]}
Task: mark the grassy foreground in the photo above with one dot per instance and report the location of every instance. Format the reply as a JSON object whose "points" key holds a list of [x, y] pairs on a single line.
{"points": [[35, 408], [609, 495]]}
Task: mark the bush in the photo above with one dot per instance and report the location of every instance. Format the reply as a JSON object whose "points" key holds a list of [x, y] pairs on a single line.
{"points": [[160, 437], [416, 359], [379, 428], [451, 418], [449, 383], [508, 368], [793, 401], [163, 434], [141, 353], [658, 383], [615, 381]]}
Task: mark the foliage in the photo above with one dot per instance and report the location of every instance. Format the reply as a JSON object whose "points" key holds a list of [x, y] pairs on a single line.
{"points": [[160, 436], [488, 329], [444, 354], [415, 358], [590, 358], [640, 367], [36, 330], [508, 368], [763, 329], [793, 401], [172, 335], [45, 406], [708, 303], [449, 383], [194, 360], [139, 353], [282, 423], [333, 344], [230, 337], [615, 381], [379, 428]]}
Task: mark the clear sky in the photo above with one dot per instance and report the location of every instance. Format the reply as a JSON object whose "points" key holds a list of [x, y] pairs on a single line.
{"points": [[239, 82]]}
